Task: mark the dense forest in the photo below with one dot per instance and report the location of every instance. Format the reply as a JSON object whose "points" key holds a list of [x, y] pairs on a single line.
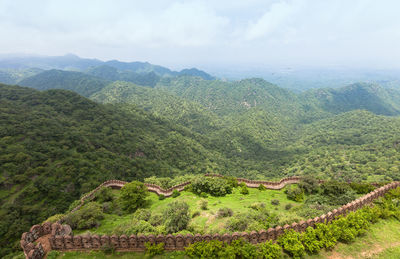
{"points": [[131, 121]]}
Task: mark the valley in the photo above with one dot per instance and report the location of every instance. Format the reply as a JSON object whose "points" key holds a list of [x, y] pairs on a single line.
{"points": [[70, 126]]}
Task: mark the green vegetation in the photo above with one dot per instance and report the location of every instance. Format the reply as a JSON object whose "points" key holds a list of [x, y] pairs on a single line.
{"points": [[176, 216], [57, 79], [214, 186], [133, 196], [86, 217], [56, 145], [193, 213], [166, 127]]}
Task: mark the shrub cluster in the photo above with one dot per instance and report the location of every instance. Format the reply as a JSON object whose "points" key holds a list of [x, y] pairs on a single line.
{"points": [[344, 229], [237, 249], [176, 216], [133, 196], [295, 193], [204, 204], [154, 249], [88, 216], [212, 186], [224, 212]]}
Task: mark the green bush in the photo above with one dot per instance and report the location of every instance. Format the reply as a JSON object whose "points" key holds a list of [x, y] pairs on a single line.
{"points": [[175, 193], [142, 214], [204, 249], [204, 204], [270, 250], [135, 227], [156, 219], [309, 185], [327, 234], [232, 181], [288, 206], [295, 194], [104, 194], [239, 249], [238, 223], [176, 216], [310, 241], [291, 244], [275, 202], [337, 193], [153, 249], [161, 197], [133, 196], [261, 187], [88, 216], [195, 214], [224, 212], [244, 190], [362, 188], [213, 186], [257, 206]]}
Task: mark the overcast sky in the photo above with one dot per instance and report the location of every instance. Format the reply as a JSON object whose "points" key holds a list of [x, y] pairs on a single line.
{"points": [[209, 33]]}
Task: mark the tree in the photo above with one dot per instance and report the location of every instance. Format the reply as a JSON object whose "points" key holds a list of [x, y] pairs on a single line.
{"points": [[133, 196], [176, 216]]}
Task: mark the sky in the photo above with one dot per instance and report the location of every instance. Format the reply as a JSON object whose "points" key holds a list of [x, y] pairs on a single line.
{"points": [[223, 34]]}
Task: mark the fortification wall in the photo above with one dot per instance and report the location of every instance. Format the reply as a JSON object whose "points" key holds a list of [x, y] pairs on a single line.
{"points": [[62, 239], [180, 187]]}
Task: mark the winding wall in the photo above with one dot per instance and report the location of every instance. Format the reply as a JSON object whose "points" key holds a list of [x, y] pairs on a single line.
{"points": [[61, 238]]}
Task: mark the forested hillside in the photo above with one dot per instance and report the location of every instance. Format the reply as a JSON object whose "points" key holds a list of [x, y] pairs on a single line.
{"points": [[370, 97], [56, 145], [58, 79]]}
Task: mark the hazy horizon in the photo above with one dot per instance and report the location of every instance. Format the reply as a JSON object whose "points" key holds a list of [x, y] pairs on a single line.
{"points": [[211, 35]]}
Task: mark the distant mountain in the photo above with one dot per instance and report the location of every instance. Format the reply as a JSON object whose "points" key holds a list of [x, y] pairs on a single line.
{"points": [[14, 76], [113, 74], [78, 82], [360, 96], [196, 72], [67, 62], [140, 67], [74, 63]]}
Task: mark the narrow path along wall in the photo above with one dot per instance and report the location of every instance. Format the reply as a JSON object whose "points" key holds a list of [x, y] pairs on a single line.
{"points": [[61, 237]]}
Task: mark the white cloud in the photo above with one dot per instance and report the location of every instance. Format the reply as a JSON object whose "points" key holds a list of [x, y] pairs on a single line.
{"points": [[195, 32]]}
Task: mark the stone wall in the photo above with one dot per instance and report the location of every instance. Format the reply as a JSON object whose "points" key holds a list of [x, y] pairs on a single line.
{"points": [[61, 237], [168, 192], [29, 240]]}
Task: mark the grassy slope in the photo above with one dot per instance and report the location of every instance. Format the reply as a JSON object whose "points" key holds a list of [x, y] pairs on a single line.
{"points": [[381, 241], [207, 221]]}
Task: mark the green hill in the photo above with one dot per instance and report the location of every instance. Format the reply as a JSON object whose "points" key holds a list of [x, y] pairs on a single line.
{"points": [[113, 74], [360, 96], [58, 79], [56, 145]]}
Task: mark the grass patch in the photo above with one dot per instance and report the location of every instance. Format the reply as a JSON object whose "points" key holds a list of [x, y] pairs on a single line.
{"points": [[382, 240], [207, 221]]}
